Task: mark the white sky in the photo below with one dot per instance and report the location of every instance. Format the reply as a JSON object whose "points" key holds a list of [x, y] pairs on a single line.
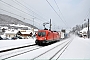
{"points": [[72, 12]]}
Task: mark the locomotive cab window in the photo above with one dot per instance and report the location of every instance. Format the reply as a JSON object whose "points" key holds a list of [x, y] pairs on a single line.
{"points": [[41, 34]]}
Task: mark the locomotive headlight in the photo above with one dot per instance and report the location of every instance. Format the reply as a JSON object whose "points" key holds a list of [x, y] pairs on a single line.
{"points": [[45, 38]]}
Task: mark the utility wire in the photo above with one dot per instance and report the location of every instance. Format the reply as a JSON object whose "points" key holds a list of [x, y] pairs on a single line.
{"points": [[27, 8], [33, 8], [57, 6], [59, 10], [18, 15], [16, 8], [88, 13], [11, 13], [55, 12]]}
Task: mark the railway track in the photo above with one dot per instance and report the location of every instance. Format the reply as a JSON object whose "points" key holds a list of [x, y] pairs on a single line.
{"points": [[53, 51], [12, 52], [56, 52], [60, 51], [6, 50]]}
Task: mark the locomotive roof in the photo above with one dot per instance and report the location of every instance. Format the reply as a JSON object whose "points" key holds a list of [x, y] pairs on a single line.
{"points": [[47, 30]]}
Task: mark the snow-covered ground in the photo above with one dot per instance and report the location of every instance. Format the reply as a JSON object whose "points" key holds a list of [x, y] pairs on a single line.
{"points": [[7, 44], [79, 48]]}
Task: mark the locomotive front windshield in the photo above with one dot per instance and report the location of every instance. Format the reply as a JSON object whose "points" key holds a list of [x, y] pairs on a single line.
{"points": [[41, 34]]}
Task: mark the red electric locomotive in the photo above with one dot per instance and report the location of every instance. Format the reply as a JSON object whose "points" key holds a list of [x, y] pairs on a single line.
{"points": [[46, 36]]}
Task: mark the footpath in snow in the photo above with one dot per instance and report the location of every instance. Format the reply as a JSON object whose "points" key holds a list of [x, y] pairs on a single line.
{"points": [[78, 49]]}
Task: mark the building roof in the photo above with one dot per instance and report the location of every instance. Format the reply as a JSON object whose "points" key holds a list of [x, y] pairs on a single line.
{"points": [[84, 30], [25, 31], [12, 31]]}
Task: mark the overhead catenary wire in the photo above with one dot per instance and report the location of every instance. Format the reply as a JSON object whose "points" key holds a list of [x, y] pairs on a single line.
{"points": [[34, 9], [18, 9], [15, 8], [60, 11], [56, 12], [17, 15], [19, 3]]}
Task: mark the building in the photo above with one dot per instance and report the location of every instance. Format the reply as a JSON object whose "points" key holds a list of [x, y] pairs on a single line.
{"points": [[25, 33], [10, 33]]}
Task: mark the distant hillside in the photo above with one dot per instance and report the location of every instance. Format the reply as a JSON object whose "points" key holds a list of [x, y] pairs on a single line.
{"points": [[5, 19]]}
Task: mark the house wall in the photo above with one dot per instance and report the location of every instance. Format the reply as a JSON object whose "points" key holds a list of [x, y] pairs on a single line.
{"points": [[10, 35], [25, 35]]}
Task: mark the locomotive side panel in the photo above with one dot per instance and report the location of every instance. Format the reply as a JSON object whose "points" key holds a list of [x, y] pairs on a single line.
{"points": [[50, 36], [56, 36]]}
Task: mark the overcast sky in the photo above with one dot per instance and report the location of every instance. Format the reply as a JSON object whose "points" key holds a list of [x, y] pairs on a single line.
{"points": [[63, 13]]}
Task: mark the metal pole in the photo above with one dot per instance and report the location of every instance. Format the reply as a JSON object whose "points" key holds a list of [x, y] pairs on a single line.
{"points": [[33, 21], [88, 28], [50, 24]]}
